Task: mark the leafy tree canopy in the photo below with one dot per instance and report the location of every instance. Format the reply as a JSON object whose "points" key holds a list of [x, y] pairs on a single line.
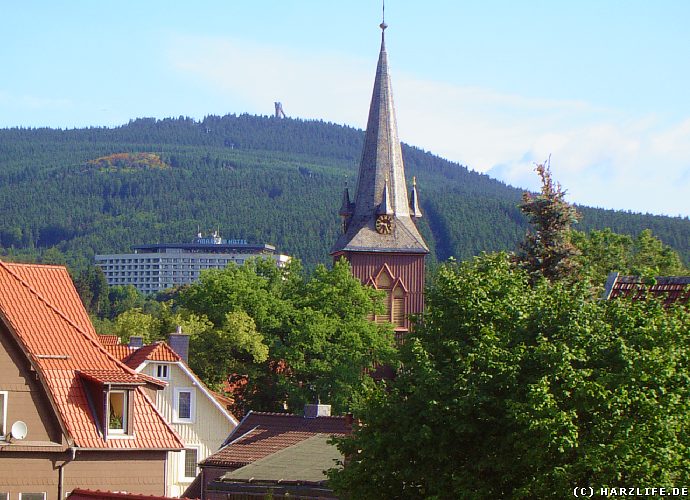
{"points": [[293, 338], [518, 390], [603, 252]]}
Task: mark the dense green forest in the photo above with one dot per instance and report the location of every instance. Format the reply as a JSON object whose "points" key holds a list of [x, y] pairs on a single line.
{"points": [[66, 195]]}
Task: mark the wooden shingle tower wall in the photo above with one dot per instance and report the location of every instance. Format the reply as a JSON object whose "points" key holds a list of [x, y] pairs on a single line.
{"points": [[380, 238]]}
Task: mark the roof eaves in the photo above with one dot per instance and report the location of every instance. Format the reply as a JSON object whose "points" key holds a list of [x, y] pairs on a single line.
{"points": [[205, 390]]}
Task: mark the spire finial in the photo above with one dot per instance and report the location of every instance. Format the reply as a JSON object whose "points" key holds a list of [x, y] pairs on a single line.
{"points": [[383, 24]]}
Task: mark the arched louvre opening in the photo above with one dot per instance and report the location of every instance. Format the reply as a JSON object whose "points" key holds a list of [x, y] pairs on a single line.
{"points": [[384, 282], [398, 304], [394, 301]]}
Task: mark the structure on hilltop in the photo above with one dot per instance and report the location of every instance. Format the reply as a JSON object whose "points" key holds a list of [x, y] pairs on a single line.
{"points": [[380, 238]]}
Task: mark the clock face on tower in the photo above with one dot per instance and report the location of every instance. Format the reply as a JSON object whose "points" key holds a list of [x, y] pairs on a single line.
{"points": [[384, 224]]}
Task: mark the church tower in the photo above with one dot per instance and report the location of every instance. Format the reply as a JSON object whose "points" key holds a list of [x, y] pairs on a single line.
{"points": [[380, 238]]}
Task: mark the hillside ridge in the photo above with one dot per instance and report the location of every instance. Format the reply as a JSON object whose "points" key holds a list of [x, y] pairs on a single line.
{"points": [[263, 179]]}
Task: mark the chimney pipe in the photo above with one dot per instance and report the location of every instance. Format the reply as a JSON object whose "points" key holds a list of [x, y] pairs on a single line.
{"points": [[317, 410], [136, 341], [179, 342]]}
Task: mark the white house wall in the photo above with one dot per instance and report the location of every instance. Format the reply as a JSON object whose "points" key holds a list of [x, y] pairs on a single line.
{"points": [[206, 432]]}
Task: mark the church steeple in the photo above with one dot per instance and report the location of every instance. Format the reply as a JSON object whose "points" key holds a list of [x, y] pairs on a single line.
{"points": [[380, 239], [381, 188]]}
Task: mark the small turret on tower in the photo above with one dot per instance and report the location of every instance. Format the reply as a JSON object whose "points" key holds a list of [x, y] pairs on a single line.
{"points": [[385, 206], [415, 211]]}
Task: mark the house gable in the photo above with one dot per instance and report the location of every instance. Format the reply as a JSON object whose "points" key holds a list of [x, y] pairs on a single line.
{"points": [[25, 399], [41, 310]]}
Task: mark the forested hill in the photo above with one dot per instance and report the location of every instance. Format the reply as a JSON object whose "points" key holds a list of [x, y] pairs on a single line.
{"points": [[68, 194]]}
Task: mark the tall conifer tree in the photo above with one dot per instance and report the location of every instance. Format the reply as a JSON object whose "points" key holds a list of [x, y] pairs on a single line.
{"points": [[547, 250]]}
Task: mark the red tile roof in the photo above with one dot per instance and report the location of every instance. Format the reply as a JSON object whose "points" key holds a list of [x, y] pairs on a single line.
{"points": [[110, 340], [81, 494], [120, 351], [158, 351], [671, 289], [42, 310], [262, 434], [112, 377]]}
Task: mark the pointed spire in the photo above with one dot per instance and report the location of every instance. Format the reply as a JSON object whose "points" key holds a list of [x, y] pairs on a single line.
{"points": [[381, 186], [414, 201], [346, 205], [382, 156], [385, 206]]}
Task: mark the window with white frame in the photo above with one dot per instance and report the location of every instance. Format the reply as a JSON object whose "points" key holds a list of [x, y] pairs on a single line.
{"points": [[163, 372], [184, 405], [191, 460], [3, 416], [118, 410], [4, 495], [32, 496]]}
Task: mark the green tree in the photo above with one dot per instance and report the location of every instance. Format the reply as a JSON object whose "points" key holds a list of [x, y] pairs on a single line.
{"points": [[650, 257], [319, 341], [331, 341], [548, 251], [124, 298], [218, 352], [135, 322], [92, 287], [517, 390], [603, 252]]}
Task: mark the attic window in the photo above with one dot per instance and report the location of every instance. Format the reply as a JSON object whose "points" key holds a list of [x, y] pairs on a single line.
{"points": [[163, 372], [118, 412]]}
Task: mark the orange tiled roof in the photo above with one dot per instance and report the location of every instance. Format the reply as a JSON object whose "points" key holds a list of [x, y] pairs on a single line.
{"points": [[109, 339], [120, 351], [42, 310], [262, 434], [112, 377], [158, 351]]}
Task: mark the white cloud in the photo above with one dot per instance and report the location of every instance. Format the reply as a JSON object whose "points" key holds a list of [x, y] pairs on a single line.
{"points": [[602, 157]]}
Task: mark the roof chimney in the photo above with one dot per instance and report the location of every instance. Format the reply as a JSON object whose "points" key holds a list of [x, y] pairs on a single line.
{"points": [[179, 342], [136, 341], [317, 410]]}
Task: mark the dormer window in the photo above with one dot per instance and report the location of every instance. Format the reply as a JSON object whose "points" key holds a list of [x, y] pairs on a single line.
{"points": [[118, 412]]}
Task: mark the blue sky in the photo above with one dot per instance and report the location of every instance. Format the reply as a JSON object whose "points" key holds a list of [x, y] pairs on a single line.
{"points": [[600, 86]]}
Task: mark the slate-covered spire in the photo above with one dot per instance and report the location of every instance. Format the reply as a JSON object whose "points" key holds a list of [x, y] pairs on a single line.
{"points": [[385, 205], [381, 178], [346, 204]]}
